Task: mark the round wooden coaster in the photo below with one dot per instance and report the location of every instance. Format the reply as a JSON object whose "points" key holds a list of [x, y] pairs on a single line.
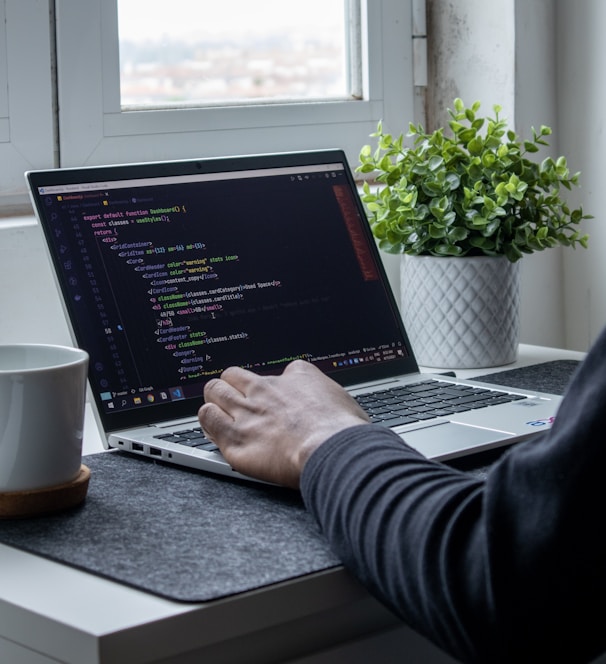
{"points": [[37, 502]]}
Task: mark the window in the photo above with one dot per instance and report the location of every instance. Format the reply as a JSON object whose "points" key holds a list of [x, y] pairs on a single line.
{"points": [[26, 119], [94, 128], [64, 54]]}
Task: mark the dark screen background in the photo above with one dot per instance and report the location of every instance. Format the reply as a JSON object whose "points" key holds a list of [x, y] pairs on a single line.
{"points": [[174, 283]]}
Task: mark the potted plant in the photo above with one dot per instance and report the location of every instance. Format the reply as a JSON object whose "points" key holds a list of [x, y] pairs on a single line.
{"points": [[473, 194]]}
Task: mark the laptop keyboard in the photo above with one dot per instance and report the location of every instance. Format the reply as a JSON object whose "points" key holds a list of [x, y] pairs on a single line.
{"points": [[425, 400], [392, 407], [193, 437]]}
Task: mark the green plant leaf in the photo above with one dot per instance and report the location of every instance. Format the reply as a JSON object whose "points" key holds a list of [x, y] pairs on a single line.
{"points": [[435, 162], [475, 145], [475, 190], [530, 146], [457, 234]]}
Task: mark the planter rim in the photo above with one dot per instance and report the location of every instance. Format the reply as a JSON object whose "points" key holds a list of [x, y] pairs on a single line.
{"points": [[455, 258]]}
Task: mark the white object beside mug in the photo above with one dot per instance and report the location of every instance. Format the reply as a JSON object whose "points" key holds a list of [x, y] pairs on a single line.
{"points": [[42, 400]]}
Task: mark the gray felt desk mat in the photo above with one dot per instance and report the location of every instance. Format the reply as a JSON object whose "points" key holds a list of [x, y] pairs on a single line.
{"points": [[552, 377], [177, 533], [191, 537]]}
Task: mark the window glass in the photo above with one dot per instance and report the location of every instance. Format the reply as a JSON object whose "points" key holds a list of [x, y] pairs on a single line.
{"points": [[233, 51]]}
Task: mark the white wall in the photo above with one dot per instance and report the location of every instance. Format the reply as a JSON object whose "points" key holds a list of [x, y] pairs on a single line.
{"points": [[501, 52], [30, 309], [542, 308], [472, 56], [581, 104]]}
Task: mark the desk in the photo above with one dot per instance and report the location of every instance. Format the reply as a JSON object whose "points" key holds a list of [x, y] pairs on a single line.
{"points": [[54, 613]]}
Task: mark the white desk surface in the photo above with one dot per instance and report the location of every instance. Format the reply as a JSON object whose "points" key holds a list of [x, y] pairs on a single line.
{"points": [[51, 612]]}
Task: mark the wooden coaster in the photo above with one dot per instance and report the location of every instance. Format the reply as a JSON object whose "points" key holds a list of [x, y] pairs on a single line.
{"points": [[37, 502]]}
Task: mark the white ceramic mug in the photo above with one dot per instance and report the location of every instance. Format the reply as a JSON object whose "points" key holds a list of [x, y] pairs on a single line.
{"points": [[42, 399]]}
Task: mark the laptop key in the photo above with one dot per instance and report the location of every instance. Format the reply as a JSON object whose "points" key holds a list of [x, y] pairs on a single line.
{"points": [[170, 438], [190, 438], [208, 446]]}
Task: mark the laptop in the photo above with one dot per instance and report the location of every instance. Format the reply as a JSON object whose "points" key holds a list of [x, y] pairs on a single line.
{"points": [[172, 271]]}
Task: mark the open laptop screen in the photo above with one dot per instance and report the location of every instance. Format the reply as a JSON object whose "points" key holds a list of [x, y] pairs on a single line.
{"points": [[170, 273]]}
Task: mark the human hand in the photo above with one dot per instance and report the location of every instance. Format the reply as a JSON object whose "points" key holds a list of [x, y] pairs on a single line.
{"points": [[268, 426]]}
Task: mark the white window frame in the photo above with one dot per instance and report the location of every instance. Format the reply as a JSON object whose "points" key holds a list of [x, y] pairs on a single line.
{"points": [[26, 99], [94, 130], [4, 116]]}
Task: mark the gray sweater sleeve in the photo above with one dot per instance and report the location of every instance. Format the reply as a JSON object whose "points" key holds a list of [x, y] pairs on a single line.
{"points": [[510, 569]]}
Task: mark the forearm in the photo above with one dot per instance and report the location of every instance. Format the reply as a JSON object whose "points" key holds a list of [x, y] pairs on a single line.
{"points": [[507, 570], [408, 528]]}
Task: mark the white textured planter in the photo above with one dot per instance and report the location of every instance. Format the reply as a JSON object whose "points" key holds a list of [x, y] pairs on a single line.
{"points": [[461, 313]]}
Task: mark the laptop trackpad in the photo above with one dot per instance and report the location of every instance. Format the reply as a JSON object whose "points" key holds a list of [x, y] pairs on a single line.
{"points": [[449, 440]]}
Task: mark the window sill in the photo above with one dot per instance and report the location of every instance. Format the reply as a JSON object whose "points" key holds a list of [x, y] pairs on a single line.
{"points": [[17, 221]]}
